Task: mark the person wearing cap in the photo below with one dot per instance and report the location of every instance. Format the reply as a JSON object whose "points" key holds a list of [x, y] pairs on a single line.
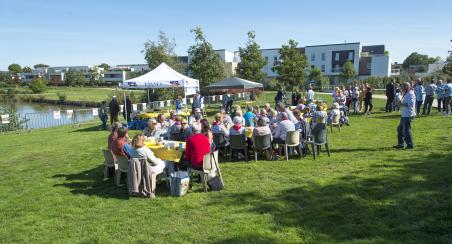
{"points": [[429, 95], [285, 125], [114, 110], [150, 130]]}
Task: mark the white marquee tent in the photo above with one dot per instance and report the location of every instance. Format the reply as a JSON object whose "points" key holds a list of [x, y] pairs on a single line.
{"points": [[162, 77]]}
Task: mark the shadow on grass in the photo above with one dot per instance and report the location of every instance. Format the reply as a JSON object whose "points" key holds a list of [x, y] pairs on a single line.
{"points": [[92, 183], [406, 204], [371, 149], [248, 239], [88, 129]]}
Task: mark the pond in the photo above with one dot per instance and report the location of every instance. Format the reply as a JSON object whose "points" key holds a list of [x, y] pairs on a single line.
{"points": [[40, 115]]}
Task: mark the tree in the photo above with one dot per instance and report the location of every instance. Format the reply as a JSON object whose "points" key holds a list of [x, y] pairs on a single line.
{"points": [[27, 69], [447, 69], [163, 50], [251, 60], [104, 66], [95, 78], [79, 78], [205, 64], [38, 85], [316, 75], [40, 66], [419, 59], [293, 64], [15, 68], [348, 72], [386, 53], [74, 78]]}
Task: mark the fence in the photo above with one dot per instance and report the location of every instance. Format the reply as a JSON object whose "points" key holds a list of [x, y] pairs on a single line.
{"points": [[76, 116]]}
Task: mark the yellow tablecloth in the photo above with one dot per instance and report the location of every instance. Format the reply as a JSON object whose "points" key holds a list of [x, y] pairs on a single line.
{"points": [[249, 131], [163, 153], [154, 114]]}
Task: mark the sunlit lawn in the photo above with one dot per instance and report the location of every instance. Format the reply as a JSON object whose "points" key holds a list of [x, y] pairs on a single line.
{"points": [[52, 190]]}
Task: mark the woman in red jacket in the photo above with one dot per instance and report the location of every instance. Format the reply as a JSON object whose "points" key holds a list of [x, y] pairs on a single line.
{"points": [[197, 146]]}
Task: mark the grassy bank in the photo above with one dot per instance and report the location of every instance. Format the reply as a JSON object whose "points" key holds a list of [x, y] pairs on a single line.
{"points": [[52, 190]]}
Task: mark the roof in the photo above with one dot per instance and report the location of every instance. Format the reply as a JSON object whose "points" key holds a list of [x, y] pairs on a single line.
{"points": [[374, 49], [235, 82], [347, 43]]}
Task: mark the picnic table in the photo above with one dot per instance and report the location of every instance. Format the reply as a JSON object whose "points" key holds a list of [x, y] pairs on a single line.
{"points": [[162, 151], [151, 115]]}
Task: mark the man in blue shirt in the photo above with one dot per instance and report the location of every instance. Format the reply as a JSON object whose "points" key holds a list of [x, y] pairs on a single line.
{"points": [[429, 94], [249, 117], [407, 104], [419, 91], [440, 96], [448, 97]]}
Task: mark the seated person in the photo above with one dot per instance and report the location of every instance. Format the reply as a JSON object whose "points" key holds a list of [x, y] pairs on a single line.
{"points": [[172, 119], [206, 131], [226, 119], [113, 135], [162, 126], [283, 127], [197, 146], [264, 116], [262, 128], [196, 116], [237, 128], [218, 127], [249, 117], [121, 146], [180, 131], [151, 130], [301, 105], [141, 151], [334, 111], [319, 116]]}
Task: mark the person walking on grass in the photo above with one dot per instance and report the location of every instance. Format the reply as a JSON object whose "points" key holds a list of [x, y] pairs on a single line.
{"points": [[407, 103], [368, 101], [429, 95]]}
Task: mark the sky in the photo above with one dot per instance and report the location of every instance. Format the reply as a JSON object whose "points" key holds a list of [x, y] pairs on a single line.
{"points": [[87, 32]]}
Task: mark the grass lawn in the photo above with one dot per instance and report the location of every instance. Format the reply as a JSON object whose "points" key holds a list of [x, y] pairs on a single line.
{"points": [[86, 94], [52, 190]]}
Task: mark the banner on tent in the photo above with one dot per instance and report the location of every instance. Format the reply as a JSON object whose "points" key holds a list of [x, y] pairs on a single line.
{"points": [[154, 84]]}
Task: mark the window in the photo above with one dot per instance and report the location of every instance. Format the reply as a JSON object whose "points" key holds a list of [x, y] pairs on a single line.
{"points": [[313, 57], [350, 55], [323, 56], [336, 57], [323, 68], [369, 66]]}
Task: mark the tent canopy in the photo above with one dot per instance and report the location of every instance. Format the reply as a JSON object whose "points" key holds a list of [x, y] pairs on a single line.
{"points": [[163, 77], [234, 83]]}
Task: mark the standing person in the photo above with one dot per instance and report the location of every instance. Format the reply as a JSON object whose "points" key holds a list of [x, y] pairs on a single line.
{"points": [[448, 97], [398, 93], [196, 103], [429, 95], [407, 102], [419, 91], [362, 93], [368, 101], [440, 96], [114, 110], [348, 97], [296, 96], [179, 104], [355, 103], [228, 101], [390, 93], [279, 96], [127, 109], [310, 95], [103, 115]]}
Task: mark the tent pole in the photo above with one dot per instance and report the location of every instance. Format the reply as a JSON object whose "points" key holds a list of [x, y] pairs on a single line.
{"points": [[149, 99]]}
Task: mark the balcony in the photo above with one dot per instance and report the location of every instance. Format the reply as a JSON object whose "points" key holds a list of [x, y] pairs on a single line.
{"points": [[337, 70]]}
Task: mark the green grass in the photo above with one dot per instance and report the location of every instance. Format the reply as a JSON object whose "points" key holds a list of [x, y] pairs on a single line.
{"points": [[51, 190], [85, 94]]}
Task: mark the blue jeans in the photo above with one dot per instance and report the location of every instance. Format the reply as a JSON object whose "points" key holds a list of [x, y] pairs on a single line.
{"points": [[418, 107], [404, 132]]}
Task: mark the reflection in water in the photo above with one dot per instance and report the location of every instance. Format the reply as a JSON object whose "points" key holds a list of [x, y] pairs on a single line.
{"points": [[38, 115]]}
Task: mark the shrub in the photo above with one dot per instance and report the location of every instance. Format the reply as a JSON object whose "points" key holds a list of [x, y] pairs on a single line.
{"points": [[15, 123], [38, 85], [61, 96]]}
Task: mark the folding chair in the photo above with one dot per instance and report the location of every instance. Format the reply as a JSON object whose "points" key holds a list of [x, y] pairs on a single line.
{"points": [[261, 143], [110, 161], [123, 164], [238, 142]]}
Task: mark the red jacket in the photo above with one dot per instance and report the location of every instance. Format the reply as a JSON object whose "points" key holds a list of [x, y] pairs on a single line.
{"points": [[117, 146], [197, 146]]}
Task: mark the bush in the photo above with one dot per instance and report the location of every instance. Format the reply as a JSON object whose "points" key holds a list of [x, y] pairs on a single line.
{"points": [[38, 85], [15, 123], [272, 84], [61, 96]]}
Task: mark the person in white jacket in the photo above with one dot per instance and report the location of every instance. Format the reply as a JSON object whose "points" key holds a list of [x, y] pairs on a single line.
{"points": [[139, 150]]}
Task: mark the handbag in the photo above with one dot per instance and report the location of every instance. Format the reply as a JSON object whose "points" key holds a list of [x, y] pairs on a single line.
{"points": [[216, 183]]}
